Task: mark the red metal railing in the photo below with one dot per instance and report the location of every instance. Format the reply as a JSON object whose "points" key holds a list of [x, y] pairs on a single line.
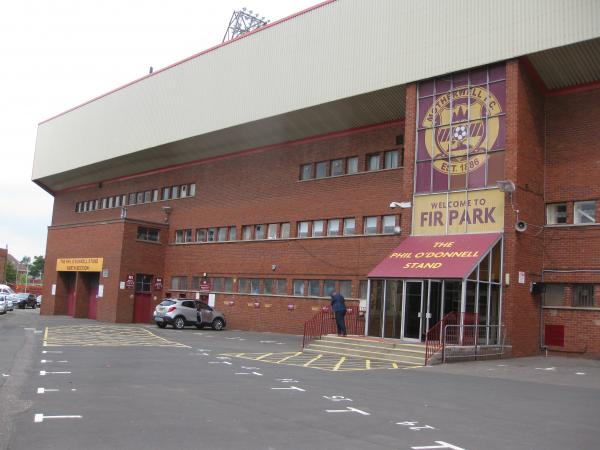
{"points": [[324, 323], [435, 339]]}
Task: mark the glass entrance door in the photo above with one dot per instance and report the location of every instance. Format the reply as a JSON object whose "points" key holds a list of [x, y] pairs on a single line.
{"points": [[413, 305], [434, 304]]}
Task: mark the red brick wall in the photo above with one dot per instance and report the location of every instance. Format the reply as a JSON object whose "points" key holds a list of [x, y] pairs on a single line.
{"points": [[582, 330], [3, 257]]}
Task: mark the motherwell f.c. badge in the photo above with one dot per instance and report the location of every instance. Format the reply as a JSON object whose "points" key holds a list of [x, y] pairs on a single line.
{"points": [[460, 125]]}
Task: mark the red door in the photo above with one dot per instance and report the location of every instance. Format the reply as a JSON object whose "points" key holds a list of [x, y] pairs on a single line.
{"points": [[142, 308], [93, 296], [70, 282]]}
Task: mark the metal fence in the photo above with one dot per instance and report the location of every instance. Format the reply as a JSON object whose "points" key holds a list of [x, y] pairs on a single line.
{"points": [[473, 341], [324, 323]]}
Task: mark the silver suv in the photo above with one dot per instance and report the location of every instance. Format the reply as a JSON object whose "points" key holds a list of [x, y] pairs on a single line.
{"points": [[180, 312]]}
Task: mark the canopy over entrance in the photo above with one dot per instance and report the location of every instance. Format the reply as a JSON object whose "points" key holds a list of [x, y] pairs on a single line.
{"points": [[436, 256]]}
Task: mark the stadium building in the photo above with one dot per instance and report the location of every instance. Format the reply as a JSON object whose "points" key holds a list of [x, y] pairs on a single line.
{"points": [[422, 158]]}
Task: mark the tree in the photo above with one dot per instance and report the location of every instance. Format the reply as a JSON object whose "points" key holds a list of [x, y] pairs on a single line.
{"points": [[37, 267], [11, 272]]}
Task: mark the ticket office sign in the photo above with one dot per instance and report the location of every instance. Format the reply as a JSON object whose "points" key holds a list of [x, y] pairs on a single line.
{"points": [[458, 213], [79, 264]]}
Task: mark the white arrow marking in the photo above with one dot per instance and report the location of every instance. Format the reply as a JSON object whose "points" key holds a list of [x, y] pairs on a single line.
{"points": [[51, 351], [289, 389], [579, 373], [43, 372], [40, 417], [250, 368], [223, 357], [545, 368], [5, 375], [220, 362], [46, 361], [266, 342], [442, 444], [44, 390], [37, 331], [348, 409]]}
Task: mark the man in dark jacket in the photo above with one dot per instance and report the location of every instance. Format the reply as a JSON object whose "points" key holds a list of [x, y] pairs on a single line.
{"points": [[338, 306]]}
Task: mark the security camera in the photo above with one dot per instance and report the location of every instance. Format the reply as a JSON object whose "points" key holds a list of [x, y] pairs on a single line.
{"points": [[521, 226]]}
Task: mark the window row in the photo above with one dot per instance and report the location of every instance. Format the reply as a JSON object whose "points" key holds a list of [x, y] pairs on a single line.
{"points": [[138, 198], [272, 286], [305, 229], [390, 159], [583, 213], [574, 295]]}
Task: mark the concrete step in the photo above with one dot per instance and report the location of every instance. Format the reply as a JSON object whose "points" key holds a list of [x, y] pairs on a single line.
{"points": [[403, 353]]}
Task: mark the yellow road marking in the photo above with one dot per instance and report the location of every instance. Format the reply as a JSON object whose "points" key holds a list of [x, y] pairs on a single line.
{"points": [[340, 362], [313, 360], [45, 336], [368, 364], [288, 357], [263, 356], [394, 365]]}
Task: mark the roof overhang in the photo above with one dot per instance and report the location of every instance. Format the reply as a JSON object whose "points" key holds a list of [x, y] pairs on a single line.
{"points": [[340, 65]]}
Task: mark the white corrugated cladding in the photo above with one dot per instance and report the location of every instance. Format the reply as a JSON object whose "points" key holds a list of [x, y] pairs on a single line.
{"points": [[340, 50]]}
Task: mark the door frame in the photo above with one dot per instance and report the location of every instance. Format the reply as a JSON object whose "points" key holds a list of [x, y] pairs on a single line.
{"points": [[420, 314]]}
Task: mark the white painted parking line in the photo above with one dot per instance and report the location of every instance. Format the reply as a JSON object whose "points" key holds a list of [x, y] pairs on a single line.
{"points": [[579, 373], [203, 350], [46, 361], [5, 375], [37, 331], [283, 380], [291, 388], [44, 390], [51, 351], [41, 417], [249, 373], [250, 368], [267, 342], [442, 444], [223, 357], [415, 426], [43, 372], [348, 409], [545, 368], [220, 362], [337, 398]]}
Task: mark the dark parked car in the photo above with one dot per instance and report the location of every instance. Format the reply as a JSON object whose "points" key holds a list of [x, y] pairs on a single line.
{"points": [[25, 300]]}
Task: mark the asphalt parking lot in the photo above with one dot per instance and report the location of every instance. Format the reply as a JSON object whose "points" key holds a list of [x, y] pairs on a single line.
{"points": [[78, 384]]}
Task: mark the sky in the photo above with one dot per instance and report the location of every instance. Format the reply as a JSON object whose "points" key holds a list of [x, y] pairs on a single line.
{"points": [[57, 54]]}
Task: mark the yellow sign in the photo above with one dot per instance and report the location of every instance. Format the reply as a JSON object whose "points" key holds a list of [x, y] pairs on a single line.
{"points": [[458, 213], [79, 264]]}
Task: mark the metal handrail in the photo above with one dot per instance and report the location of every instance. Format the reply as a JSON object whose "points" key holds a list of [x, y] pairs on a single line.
{"points": [[475, 336], [434, 338], [324, 323]]}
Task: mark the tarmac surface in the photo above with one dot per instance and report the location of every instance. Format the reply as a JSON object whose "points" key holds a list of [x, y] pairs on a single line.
{"points": [[79, 384]]}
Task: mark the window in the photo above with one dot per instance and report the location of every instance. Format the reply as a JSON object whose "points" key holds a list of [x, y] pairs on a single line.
{"points": [[346, 288], [352, 165], [96, 204], [389, 224], [175, 192], [247, 232], [337, 167], [184, 189], [182, 236], [201, 235], [314, 288], [244, 285], [556, 213], [318, 228], [227, 284], [333, 227], [349, 226], [280, 287], [189, 304], [232, 233], [196, 283], [322, 169], [306, 172], [269, 286], [223, 231], [373, 162], [110, 202], [584, 212], [370, 225], [192, 190], [139, 198], [155, 195], [391, 159], [328, 287], [179, 283], [217, 284], [147, 196], [272, 231], [583, 295], [299, 287], [285, 230], [166, 193], [148, 234], [255, 286], [211, 234], [143, 283], [259, 232], [362, 289], [303, 229]]}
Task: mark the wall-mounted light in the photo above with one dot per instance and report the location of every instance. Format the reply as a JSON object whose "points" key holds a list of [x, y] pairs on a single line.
{"points": [[506, 186], [273, 267], [402, 205]]}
